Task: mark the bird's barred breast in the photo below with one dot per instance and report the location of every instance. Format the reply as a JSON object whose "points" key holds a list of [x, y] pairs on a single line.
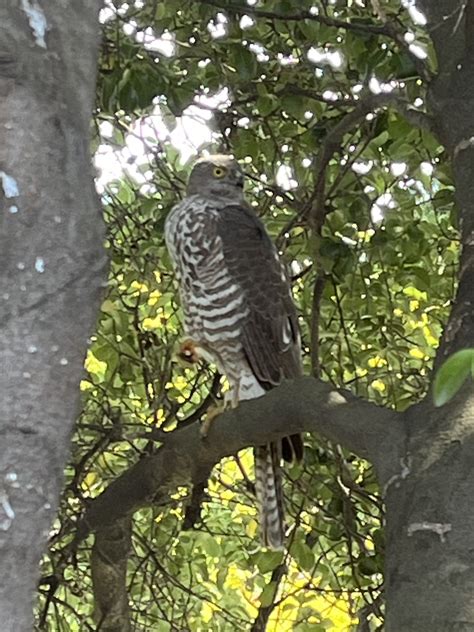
{"points": [[213, 301]]}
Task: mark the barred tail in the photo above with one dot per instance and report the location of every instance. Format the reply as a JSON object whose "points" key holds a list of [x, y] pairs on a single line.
{"points": [[269, 495]]}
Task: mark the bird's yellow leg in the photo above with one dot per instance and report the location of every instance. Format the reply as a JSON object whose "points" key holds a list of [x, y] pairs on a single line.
{"points": [[213, 411], [231, 400]]}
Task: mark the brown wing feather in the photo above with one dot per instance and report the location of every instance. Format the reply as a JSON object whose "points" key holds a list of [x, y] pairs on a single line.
{"points": [[270, 340], [270, 335]]}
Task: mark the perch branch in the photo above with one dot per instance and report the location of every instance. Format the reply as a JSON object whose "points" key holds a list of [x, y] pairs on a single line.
{"points": [[306, 404]]}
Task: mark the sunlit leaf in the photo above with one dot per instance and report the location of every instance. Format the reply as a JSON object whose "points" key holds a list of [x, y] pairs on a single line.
{"points": [[452, 375]]}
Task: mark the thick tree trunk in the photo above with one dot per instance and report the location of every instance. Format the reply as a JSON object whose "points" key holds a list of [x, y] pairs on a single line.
{"points": [[51, 269], [430, 518], [430, 508]]}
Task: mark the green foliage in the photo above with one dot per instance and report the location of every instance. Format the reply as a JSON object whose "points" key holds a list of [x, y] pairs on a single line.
{"points": [[452, 375], [386, 255]]}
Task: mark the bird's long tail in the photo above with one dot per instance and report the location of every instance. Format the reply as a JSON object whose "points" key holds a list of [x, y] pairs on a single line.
{"points": [[270, 494]]}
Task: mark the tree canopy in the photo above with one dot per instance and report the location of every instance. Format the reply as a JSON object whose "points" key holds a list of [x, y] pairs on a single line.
{"points": [[324, 104]]}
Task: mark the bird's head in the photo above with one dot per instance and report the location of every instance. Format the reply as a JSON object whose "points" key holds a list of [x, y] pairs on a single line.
{"points": [[217, 176]]}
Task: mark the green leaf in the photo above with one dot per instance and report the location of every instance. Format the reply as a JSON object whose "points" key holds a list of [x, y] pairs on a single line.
{"points": [[451, 376], [303, 555], [268, 560], [209, 544], [443, 199], [243, 61], [267, 103], [368, 566], [268, 594], [381, 139]]}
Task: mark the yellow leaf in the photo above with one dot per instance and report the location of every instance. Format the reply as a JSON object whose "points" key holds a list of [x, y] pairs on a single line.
{"points": [[376, 361], [378, 385], [251, 528], [181, 492], [366, 235], [95, 366], [180, 382], [417, 353], [177, 512], [414, 305], [141, 287], [369, 544], [227, 494], [152, 323], [246, 458], [89, 481], [230, 471], [415, 293], [430, 339], [154, 297], [236, 579], [336, 610], [207, 611]]}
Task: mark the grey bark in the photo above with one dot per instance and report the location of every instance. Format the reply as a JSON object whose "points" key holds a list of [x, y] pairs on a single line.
{"points": [[51, 269], [109, 560]]}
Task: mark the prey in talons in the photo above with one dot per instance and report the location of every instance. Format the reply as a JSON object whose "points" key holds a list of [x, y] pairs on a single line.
{"points": [[188, 352]]}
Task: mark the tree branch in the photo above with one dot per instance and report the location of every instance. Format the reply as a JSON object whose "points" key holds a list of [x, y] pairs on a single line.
{"points": [[374, 433], [333, 141], [109, 567], [318, 289], [300, 15], [397, 33], [264, 612]]}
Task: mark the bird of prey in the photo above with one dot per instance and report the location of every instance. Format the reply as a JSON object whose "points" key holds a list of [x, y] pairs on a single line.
{"points": [[238, 308]]}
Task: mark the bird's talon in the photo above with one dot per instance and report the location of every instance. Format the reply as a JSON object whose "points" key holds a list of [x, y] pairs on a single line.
{"points": [[212, 413]]}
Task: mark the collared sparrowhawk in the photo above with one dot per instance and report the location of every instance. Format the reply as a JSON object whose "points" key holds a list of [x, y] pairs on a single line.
{"points": [[238, 308]]}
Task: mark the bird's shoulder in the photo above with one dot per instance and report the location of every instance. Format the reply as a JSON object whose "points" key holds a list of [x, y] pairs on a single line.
{"points": [[239, 222], [191, 213]]}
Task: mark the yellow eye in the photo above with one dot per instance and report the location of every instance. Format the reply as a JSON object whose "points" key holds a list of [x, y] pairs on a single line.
{"points": [[219, 172]]}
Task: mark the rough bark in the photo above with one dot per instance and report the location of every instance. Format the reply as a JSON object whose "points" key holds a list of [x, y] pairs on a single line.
{"points": [[430, 540], [430, 515], [51, 269], [109, 568]]}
